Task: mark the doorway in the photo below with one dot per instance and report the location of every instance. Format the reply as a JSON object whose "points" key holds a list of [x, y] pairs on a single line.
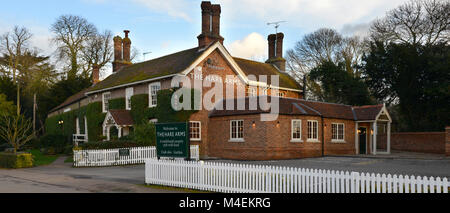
{"points": [[362, 132]]}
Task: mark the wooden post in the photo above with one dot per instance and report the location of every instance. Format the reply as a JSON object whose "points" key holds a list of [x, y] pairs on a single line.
{"points": [[356, 139], [388, 146], [374, 144]]}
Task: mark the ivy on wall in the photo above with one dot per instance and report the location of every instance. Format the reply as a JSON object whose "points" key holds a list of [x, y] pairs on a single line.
{"points": [[140, 112], [117, 103], [94, 116]]}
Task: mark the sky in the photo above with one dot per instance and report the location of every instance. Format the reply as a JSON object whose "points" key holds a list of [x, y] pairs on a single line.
{"points": [[167, 26]]}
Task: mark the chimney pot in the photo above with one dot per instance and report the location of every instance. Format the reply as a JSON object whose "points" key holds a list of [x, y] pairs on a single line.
{"points": [[95, 74]]}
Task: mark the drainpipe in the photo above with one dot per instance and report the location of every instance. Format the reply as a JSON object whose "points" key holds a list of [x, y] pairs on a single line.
{"points": [[323, 138]]}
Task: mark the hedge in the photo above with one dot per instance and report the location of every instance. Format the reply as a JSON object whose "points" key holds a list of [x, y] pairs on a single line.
{"points": [[15, 161]]}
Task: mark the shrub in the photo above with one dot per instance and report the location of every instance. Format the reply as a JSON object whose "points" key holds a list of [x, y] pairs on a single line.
{"points": [[4, 146], [145, 134], [110, 145], [55, 143], [14, 161]]}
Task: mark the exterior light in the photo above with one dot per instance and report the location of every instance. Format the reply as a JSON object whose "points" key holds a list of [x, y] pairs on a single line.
{"points": [[278, 123], [253, 124], [359, 131], [371, 131]]}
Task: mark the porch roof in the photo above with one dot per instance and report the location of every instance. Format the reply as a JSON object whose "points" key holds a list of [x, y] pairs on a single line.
{"points": [[122, 117]]}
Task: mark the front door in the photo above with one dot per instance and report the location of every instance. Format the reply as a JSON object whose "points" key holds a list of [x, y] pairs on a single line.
{"points": [[362, 140]]}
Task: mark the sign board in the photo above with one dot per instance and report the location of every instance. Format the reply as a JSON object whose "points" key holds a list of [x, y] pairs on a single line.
{"points": [[172, 140], [124, 152]]}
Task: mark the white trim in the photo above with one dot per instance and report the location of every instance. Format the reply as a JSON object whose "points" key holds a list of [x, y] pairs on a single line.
{"points": [[263, 84], [104, 110], [129, 92], [337, 129], [130, 84], [292, 131], [312, 133], [199, 129], [150, 98], [236, 139], [381, 112]]}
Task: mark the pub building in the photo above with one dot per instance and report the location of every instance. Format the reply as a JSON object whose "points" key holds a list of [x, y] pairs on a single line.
{"points": [[303, 128]]}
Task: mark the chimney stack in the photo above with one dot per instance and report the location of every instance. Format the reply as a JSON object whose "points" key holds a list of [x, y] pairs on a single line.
{"points": [[210, 24], [126, 47], [121, 51], [95, 74], [276, 51]]}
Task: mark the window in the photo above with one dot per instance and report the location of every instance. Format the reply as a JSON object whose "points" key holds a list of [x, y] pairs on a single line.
{"points": [[128, 93], [153, 93], [296, 130], [337, 132], [280, 94], [237, 130], [195, 132], [313, 131], [264, 91], [252, 92], [105, 100]]}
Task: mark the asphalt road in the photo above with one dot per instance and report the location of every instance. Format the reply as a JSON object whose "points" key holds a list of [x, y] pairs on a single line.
{"points": [[421, 167], [61, 177]]}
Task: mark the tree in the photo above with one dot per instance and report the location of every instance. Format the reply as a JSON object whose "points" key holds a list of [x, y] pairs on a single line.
{"points": [[339, 86], [416, 22], [71, 34], [16, 130], [321, 46], [98, 51], [15, 44], [415, 77]]}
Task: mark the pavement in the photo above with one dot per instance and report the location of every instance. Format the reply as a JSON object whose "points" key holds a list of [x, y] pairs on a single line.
{"points": [[60, 177], [400, 163]]}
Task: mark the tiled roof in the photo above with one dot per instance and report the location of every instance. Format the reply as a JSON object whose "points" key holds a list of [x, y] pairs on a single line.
{"points": [[122, 117], [71, 99], [166, 65], [257, 68], [293, 106], [369, 112]]}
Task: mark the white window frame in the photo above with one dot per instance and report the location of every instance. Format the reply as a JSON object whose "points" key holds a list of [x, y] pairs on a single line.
{"points": [[236, 139], [292, 131], [337, 132], [153, 121], [311, 131], [129, 92], [150, 95], [199, 131], [105, 101]]}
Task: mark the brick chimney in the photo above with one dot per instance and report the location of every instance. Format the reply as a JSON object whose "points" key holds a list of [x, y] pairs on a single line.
{"points": [[126, 46], [121, 51], [95, 74], [276, 51], [210, 24]]}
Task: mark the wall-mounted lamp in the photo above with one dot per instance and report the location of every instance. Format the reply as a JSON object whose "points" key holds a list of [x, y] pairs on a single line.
{"points": [[60, 122], [371, 131], [359, 131], [278, 124], [253, 124]]}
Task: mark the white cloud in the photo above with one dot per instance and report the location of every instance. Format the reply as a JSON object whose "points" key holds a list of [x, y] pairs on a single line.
{"points": [[174, 8], [309, 14], [253, 47]]}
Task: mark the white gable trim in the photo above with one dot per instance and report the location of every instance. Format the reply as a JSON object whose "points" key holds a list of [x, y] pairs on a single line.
{"points": [[384, 110], [226, 55]]}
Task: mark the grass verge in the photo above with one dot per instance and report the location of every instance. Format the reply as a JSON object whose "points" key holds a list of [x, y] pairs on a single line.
{"points": [[41, 159], [186, 190]]}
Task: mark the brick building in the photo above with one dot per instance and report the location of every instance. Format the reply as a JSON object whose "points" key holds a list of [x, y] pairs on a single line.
{"points": [[303, 128]]}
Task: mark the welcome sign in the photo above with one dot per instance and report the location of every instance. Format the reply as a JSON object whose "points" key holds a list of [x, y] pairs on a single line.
{"points": [[172, 140]]}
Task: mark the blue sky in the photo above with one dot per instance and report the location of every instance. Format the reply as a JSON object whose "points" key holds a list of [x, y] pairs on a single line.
{"points": [[167, 26]]}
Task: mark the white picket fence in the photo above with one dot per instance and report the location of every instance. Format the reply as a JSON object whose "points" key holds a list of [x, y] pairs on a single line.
{"points": [[111, 157], [244, 178]]}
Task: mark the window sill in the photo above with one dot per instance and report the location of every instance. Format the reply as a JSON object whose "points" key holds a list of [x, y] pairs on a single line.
{"points": [[296, 141], [236, 140], [199, 139], [313, 141], [336, 141]]}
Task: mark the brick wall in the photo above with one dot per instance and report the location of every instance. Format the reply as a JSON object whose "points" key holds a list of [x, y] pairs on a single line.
{"points": [[447, 141], [426, 142]]}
